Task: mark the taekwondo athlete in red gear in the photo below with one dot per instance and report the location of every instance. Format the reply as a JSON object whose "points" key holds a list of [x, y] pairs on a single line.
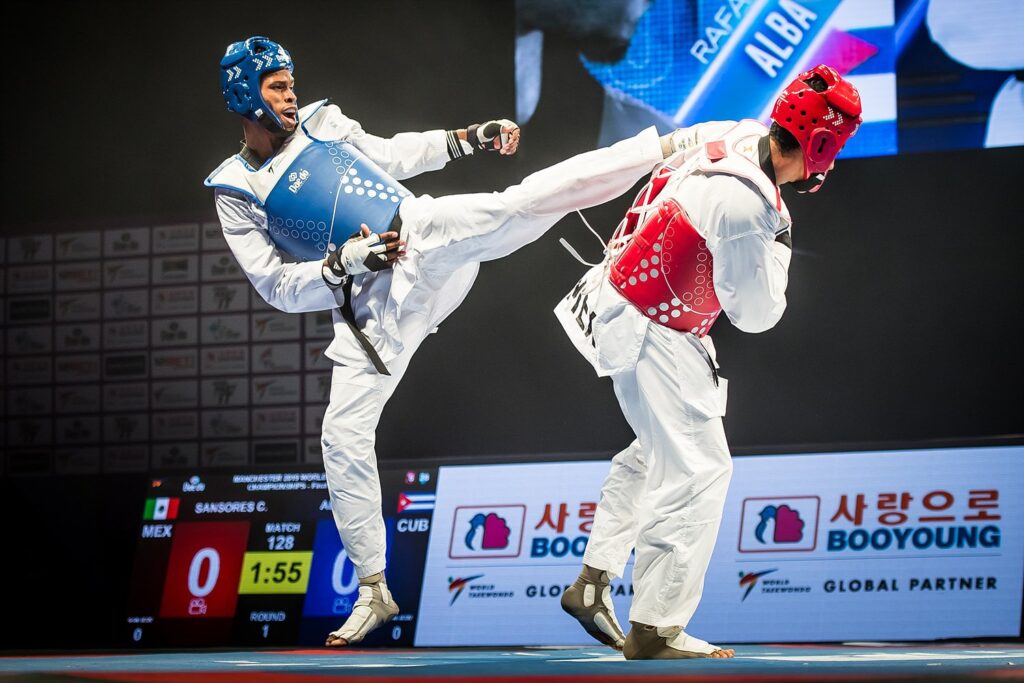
{"points": [[709, 233], [305, 181]]}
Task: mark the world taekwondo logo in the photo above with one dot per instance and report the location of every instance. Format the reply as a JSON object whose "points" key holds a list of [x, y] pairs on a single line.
{"points": [[779, 524], [457, 585], [749, 580]]}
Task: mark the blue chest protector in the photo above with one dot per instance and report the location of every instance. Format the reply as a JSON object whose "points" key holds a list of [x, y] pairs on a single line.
{"points": [[325, 194], [320, 197]]}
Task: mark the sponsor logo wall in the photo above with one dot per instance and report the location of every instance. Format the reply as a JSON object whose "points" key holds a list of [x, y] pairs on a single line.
{"points": [[914, 545], [146, 347]]}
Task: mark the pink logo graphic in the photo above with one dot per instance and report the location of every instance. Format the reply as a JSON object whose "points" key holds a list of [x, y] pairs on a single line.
{"points": [[779, 524], [494, 536], [789, 528], [484, 531]]}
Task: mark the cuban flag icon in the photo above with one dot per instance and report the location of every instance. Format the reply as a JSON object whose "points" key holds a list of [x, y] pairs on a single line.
{"points": [[415, 502]]}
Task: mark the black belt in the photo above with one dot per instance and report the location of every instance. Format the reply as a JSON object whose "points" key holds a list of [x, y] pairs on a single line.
{"points": [[350, 317]]}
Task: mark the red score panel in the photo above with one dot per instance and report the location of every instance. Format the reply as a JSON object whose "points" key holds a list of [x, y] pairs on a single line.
{"points": [[203, 571]]}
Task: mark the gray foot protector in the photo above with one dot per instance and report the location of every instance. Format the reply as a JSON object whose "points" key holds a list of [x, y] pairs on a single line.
{"points": [[652, 642], [375, 607], [589, 600]]}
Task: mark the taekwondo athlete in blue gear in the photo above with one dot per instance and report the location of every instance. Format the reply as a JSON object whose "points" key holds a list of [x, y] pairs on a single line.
{"points": [[304, 181]]}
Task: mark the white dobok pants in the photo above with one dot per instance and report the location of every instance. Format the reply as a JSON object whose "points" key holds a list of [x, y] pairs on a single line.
{"points": [[665, 492], [447, 238]]}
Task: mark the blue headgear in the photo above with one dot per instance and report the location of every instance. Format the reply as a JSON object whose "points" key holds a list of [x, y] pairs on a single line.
{"points": [[240, 71]]}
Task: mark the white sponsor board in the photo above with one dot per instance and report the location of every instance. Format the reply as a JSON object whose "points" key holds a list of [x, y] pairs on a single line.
{"points": [[77, 276], [915, 545], [30, 248], [171, 269], [225, 297], [126, 272], [130, 242], [73, 246], [168, 239]]}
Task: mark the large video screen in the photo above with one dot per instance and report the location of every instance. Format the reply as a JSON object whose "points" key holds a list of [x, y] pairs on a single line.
{"points": [[887, 545], [916, 545], [933, 74]]}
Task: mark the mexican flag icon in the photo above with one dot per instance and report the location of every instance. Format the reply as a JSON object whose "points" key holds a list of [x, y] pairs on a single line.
{"points": [[161, 508]]}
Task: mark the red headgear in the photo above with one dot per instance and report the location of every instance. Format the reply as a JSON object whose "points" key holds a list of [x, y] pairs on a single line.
{"points": [[821, 122]]}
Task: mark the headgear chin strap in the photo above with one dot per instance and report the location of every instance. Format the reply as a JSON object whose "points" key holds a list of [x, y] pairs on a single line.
{"points": [[243, 65], [821, 122]]}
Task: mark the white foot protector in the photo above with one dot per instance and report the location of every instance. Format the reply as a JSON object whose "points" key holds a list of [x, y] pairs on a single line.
{"points": [[678, 639], [375, 607]]}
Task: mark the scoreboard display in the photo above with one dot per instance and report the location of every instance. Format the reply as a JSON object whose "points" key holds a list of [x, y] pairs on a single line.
{"points": [[255, 558]]}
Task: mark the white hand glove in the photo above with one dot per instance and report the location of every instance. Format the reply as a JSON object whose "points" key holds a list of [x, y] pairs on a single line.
{"points": [[483, 136], [362, 253]]}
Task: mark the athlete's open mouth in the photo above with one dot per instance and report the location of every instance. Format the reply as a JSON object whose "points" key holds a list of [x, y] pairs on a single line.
{"points": [[291, 115]]}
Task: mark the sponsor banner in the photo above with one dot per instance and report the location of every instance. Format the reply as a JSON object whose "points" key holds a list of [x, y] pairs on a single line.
{"points": [[175, 455], [127, 458], [78, 276], [32, 370], [319, 325], [30, 401], [224, 329], [78, 429], [212, 237], [131, 242], [26, 279], [25, 463], [224, 453], [29, 432], [26, 340], [175, 300], [77, 398], [225, 424], [80, 368], [271, 389], [76, 461], [276, 357], [129, 303], [175, 394], [225, 298], [275, 326], [225, 392], [175, 362], [275, 452], [29, 249], [77, 337], [126, 428], [78, 246], [37, 309], [121, 396], [175, 426], [85, 306], [318, 387], [175, 269], [175, 331], [314, 355], [131, 334], [126, 272], [170, 239], [314, 422], [220, 267], [225, 360], [932, 539], [117, 366], [279, 421]]}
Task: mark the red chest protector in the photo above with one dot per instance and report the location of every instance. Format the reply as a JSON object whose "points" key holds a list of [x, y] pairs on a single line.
{"points": [[666, 270]]}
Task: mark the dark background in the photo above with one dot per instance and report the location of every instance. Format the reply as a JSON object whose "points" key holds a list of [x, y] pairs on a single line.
{"points": [[904, 323]]}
